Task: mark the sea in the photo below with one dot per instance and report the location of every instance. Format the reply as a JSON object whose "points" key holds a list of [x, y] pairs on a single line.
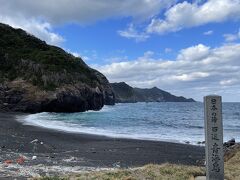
{"points": [[158, 121]]}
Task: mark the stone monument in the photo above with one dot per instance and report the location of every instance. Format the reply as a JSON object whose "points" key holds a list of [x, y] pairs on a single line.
{"points": [[213, 137]]}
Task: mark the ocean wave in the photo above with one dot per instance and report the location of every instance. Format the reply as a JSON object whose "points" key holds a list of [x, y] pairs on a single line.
{"points": [[135, 121], [194, 126], [45, 121]]}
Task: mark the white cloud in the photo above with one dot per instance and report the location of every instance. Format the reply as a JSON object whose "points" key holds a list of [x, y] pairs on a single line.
{"points": [[232, 37], [186, 15], [132, 33], [40, 29], [148, 54], [89, 56], [48, 13], [167, 50], [207, 33], [116, 59], [190, 77], [76, 54], [85, 58], [83, 11], [197, 71], [38, 17], [227, 82], [79, 55], [194, 53]]}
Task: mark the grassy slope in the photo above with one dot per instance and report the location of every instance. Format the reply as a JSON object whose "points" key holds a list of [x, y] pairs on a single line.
{"points": [[232, 166], [158, 172], [166, 171]]}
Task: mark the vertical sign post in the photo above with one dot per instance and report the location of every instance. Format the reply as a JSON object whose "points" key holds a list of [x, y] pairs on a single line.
{"points": [[213, 137]]}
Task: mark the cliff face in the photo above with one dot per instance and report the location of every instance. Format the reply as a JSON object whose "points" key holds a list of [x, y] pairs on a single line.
{"points": [[36, 77], [124, 93], [127, 94]]}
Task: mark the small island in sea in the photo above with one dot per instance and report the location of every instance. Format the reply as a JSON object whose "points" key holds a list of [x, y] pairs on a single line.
{"points": [[62, 119]]}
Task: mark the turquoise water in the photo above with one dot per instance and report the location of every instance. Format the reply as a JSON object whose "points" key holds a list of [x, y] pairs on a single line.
{"points": [[176, 122]]}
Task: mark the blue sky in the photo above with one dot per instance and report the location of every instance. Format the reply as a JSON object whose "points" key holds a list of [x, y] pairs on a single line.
{"points": [[103, 38], [189, 48]]}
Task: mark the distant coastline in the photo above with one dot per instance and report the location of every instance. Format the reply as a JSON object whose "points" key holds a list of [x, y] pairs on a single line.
{"points": [[124, 93]]}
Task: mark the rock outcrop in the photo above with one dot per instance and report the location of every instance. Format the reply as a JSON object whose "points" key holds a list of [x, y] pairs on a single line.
{"points": [[36, 77], [127, 94]]}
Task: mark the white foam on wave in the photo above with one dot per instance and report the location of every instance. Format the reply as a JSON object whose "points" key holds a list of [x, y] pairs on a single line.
{"points": [[105, 108], [151, 121], [46, 120]]}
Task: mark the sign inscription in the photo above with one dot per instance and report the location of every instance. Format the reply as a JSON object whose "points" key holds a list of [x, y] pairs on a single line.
{"points": [[214, 137]]}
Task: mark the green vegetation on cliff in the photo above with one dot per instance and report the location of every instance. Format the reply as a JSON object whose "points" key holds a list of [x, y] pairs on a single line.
{"points": [[23, 55], [37, 77]]}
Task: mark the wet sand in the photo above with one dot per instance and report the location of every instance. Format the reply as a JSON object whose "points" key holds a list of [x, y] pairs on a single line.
{"points": [[55, 148]]}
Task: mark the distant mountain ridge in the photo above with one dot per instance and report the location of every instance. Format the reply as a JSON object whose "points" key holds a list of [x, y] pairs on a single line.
{"points": [[127, 94]]}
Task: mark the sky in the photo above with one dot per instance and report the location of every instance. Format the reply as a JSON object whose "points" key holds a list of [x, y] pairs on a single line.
{"points": [[189, 48]]}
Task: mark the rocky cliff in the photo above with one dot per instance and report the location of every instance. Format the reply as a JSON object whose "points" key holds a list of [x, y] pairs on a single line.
{"points": [[127, 94], [36, 77]]}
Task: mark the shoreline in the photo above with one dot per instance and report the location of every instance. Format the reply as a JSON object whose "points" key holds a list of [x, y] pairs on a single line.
{"points": [[65, 128], [53, 147], [100, 135]]}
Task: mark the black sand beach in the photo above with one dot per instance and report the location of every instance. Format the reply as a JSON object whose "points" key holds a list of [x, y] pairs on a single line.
{"points": [[61, 149]]}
